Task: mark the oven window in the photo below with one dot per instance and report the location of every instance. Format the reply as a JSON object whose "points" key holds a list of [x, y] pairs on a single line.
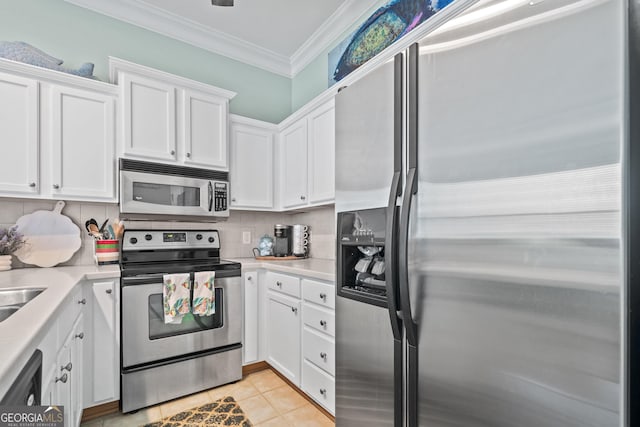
{"points": [[190, 323], [162, 194]]}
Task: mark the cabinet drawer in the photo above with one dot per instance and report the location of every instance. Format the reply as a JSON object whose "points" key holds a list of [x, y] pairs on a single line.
{"points": [[320, 386], [289, 285], [320, 293], [319, 349], [71, 308], [320, 319]]}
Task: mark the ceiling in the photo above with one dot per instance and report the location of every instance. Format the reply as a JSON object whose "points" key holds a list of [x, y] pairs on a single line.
{"points": [[281, 36]]}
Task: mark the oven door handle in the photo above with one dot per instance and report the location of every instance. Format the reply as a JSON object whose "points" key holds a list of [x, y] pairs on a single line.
{"points": [[210, 196], [143, 279]]}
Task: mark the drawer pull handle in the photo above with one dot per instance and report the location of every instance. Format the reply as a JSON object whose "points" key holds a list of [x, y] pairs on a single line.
{"points": [[323, 355], [279, 284], [80, 335], [32, 184], [62, 379], [323, 323], [323, 391], [323, 295], [294, 309], [68, 367], [82, 301]]}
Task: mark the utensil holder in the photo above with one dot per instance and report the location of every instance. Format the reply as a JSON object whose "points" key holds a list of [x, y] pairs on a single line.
{"points": [[107, 252]]}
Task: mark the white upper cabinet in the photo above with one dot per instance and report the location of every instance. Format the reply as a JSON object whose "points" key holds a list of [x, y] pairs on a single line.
{"points": [[149, 117], [205, 129], [251, 170], [321, 132], [171, 119], [58, 131], [19, 125], [293, 176], [82, 143]]}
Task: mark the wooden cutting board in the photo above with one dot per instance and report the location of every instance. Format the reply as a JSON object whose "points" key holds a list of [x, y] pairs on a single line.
{"points": [[51, 237]]}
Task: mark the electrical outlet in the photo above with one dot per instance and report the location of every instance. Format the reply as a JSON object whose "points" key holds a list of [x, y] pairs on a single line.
{"points": [[246, 237]]}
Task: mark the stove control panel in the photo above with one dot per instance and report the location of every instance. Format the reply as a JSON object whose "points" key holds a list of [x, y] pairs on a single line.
{"points": [[135, 240]]}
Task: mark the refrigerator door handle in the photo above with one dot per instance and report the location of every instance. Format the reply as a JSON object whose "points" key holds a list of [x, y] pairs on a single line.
{"points": [[403, 268]]}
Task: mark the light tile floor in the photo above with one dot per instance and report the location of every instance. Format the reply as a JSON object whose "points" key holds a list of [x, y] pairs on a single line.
{"points": [[263, 396]]}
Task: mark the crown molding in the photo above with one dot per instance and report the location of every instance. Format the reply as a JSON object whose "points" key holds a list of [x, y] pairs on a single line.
{"points": [[150, 17], [346, 16]]}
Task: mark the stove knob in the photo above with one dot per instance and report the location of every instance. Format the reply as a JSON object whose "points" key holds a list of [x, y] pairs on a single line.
{"points": [[198, 236], [133, 240], [148, 237], [211, 240]]}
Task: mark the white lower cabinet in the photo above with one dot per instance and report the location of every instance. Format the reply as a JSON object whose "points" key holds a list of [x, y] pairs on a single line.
{"points": [[81, 352], [250, 341], [102, 373], [283, 335]]}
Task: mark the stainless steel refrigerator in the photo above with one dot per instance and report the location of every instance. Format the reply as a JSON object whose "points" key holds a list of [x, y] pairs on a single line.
{"points": [[482, 183]]}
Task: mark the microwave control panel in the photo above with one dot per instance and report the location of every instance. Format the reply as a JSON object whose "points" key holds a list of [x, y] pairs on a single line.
{"points": [[220, 195]]}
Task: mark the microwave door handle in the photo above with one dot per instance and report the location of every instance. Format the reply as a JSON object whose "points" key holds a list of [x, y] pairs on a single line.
{"points": [[210, 196]]}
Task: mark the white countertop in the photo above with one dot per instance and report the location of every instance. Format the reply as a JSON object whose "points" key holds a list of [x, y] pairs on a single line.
{"points": [[21, 332], [317, 268]]}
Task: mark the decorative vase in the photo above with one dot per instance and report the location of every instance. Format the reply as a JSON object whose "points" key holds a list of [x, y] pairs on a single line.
{"points": [[5, 262]]}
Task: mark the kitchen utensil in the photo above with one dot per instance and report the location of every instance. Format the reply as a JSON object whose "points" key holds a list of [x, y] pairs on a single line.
{"points": [[51, 237], [104, 224], [112, 234]]}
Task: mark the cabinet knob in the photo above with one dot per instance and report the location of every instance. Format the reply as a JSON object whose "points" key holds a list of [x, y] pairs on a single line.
{"points": [[249, 278], [80, 335], [109, 291], [323, 323], [67, 367], [323, 295], [56, 186], [82, 301], [302, 198], [294, 309], [188, 155], [32, 184], [323, 391], [279, 284], [233, 199], [63, 378], [173, 152], [323, 355]]}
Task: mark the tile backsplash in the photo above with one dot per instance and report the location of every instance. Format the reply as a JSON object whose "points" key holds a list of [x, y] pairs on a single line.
{"points": [[321, 222]]}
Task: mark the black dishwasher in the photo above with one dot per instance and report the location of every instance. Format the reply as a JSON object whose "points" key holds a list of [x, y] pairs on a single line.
{"points": [[26, 390]]}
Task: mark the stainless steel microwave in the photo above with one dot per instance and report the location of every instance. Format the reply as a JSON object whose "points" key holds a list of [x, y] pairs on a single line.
{"points": [[159, 189]]}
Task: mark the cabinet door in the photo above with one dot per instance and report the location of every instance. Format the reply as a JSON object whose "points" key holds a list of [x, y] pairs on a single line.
{"points": [[19, 127], [205, 123], [149, 109], [250, 343], [322, 154], [251, 167], [83, 141], [77, 372], [294, 165], [283, 335], [61, 394], [102, 375]]}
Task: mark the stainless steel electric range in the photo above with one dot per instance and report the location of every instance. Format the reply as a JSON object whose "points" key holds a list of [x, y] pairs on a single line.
{"points": [[165, 361]]}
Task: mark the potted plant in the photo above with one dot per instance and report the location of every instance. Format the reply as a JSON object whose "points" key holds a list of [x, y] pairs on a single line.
{"points": [[10, 241]]}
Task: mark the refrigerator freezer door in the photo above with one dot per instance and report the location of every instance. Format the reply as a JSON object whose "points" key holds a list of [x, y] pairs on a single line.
{"points": [[515, 250], [364, 365], [365, 135]]}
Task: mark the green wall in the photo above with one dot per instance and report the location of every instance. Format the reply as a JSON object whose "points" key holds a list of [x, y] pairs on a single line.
{"points": [[78, 35]]}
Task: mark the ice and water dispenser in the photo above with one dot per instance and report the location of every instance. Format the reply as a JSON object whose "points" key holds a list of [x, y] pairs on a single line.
{"points": [[361, 255]]}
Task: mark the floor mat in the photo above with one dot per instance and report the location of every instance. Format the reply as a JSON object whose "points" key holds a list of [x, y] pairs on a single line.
{"points": [[222, 412]]}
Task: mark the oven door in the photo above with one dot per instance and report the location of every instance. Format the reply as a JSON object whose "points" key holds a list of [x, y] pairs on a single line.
{"points": [[148, 193], [145, 336]]}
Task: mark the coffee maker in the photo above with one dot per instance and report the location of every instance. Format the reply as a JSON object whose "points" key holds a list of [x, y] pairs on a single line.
{"points": [[361, 252], [283, 239]]}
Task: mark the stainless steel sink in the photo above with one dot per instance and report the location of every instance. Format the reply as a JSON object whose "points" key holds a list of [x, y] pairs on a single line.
{"points": [[5, 312], [18, 296], [12, 299]]}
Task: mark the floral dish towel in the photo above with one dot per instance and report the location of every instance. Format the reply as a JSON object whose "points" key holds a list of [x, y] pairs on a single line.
{"points": [[176, 296], [204, 297]]}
